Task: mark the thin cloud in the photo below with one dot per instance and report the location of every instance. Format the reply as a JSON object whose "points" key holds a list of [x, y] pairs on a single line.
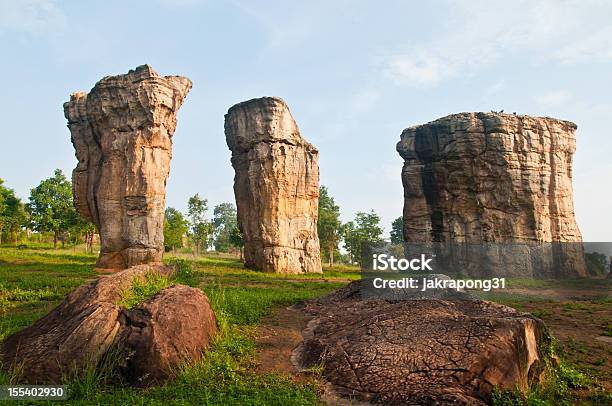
{"points": [[284, 25], [33, 17], [365, 100], [596, 47], [425, 70], [495, 87], [554, 98], [480, 34]]}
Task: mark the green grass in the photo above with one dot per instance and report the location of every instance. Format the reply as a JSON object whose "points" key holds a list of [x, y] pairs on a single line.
{"points": [[560, 378], [143, 289], [223, 377], [35, 279], [247, 305], [582, 283]]}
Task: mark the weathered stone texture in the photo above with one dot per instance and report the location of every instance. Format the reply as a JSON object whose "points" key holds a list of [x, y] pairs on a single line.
{"points": [[276, 187], [495, 178], [151, 340], [172, 327], [122, 133], [448, 350]]}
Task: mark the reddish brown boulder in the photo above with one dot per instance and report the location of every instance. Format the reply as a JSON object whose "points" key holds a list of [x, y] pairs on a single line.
{"points": [[89, 323], [420, 351], [173, 326]]}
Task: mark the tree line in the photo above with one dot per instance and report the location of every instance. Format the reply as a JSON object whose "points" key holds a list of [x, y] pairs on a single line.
{"points": [[364, 228], [222, 234], [50, 212], [196, 231]]}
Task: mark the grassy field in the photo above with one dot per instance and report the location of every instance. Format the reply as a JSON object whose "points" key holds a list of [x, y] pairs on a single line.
{"points": [[34, 280]]}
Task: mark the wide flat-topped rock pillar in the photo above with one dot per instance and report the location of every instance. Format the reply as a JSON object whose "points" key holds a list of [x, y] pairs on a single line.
{"points": [[276, 187], [500, 180], [122, 133]]}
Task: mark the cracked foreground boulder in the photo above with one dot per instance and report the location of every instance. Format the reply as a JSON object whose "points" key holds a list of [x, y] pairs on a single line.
{"points": [[497, 186], [443, 349], [276, 187], [89, 326], [122, 134]]}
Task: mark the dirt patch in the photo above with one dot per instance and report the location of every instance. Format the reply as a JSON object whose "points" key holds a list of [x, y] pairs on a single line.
{"points": [[263, 281], [276, 338], [324, 280], [578, 326], [560, 294], [105, 271]]}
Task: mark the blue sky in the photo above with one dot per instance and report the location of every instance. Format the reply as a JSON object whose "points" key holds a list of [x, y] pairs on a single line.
{"points": [[354, 73]]}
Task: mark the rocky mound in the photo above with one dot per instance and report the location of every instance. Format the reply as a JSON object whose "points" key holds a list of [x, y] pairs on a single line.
{"points": [[174, 325], [445, 350]]}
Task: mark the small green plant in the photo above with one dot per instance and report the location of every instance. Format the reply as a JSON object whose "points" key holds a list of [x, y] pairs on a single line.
{"points": [[143, 289], [9, 376], [575, 306], [317, 370], [608, 330], [86, 382], [184, 272], [576, 346], [600, 362], [506, 398], [541, 313], [554, 389]]}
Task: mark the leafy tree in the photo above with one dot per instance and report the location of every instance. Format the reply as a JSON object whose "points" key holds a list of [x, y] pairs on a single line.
{"points": [[51, 208], [351, 242], [12, 213], [175, 227], [81, 229], [224, 222], [201, 229], [3, 193], [364, 229], [329, 225], [397, 231], [237, 240], [597, 264]]}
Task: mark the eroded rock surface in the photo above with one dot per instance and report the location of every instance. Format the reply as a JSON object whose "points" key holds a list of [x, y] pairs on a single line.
{"points": [[276, 187], [420, 351], [174, 325], [122, 133], [495, 178]]}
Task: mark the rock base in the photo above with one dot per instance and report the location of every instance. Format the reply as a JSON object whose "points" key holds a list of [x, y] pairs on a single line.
{"points": [[176, 324], [420, 351]]}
